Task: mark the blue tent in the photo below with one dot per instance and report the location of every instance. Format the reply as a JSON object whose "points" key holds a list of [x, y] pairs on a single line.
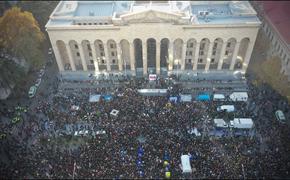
{"points": [[203, 97], [108, 97]]}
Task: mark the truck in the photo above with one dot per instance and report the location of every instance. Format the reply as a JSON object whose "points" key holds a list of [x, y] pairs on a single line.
{"points": [[242, 123]]}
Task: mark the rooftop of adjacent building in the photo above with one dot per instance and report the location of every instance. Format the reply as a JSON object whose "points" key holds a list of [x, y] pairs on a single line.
{"points": [[278, 12], [206, 12]]}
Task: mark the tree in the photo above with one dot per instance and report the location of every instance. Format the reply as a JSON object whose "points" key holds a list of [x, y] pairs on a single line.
{"points": [[21, 36]]}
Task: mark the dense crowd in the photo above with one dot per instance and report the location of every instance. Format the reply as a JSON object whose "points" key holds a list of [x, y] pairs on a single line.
{"points": [[152, 123]]}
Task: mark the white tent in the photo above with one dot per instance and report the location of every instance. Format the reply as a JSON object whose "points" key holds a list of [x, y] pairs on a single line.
{"points": [[185, 164], [220, 123], [94, 98], [218, 97], [153, 92], [239, 96], [185, 98], [114, 112]]}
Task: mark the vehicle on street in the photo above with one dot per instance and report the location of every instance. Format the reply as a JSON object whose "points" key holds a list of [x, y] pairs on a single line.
{"points": [[38, 81], [280, 116], [32, 91]]}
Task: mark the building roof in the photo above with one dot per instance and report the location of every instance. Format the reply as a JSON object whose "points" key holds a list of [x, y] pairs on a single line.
{"points": [[195, 12], [278, 12]]}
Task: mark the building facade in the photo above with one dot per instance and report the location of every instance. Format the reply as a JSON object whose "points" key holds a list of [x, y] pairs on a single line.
{"points": [[275, 17], [159, 37]]}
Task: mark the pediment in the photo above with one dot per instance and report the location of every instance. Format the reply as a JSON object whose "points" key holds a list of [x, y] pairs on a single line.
{"points": [[151, 16]]}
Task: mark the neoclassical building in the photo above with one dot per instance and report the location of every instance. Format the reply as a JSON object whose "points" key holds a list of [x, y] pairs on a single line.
{"points": [[159, 37]]}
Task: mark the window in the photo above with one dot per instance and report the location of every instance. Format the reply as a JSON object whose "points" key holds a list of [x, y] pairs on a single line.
{"points": [[190, 53], [112, 45], [189, 60], [112, 53], [227, 52], [79, 23], [202, 46], [212, 60], [200, 60], [215, 45], [201, 53], [229, 44], [101, 23], [101, 53], [91, 61], [106, 23], [214, 52], [90, 23], [76, 46], [103, 61], [191, 45], [113, 61], [85, 23], [78, 54], [101, 46], [95, 23], [89, 47], [287, 61], [90, 54]]}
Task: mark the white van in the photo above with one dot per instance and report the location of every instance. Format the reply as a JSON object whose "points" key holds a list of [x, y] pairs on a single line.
{"points": [[227, 108], [185, 164]]}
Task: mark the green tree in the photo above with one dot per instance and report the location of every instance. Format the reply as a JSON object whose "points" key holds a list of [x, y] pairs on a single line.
{"points": [[20, 35]]}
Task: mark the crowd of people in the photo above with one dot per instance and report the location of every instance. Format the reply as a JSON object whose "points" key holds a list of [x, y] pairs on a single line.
{"points": [[151, 123]]}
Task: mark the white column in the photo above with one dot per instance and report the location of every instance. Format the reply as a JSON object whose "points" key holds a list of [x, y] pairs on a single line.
{"points": [[183, 53], [235, 54], [107, 57], [196, 55], [158, 57], [57, 57], [82, 53], [144, 51], [96, 62], [170, 56], [119, 55], [208, 57], [70, 57], [222, 55], [132, 59], [248, 56]]}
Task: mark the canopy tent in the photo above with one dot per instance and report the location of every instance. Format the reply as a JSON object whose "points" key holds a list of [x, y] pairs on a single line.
{"points": [[220, 123], [108, 97], [239, 96], [114, 112], [75, 108], [153, 92], [185, 98], [218, 97], [173, 99], [94, 98], [203, 97], [185, 164]]}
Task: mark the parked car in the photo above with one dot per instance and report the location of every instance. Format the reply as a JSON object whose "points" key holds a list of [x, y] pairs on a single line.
{"points": [[41, 73], [32, 91], [38, 81]]}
